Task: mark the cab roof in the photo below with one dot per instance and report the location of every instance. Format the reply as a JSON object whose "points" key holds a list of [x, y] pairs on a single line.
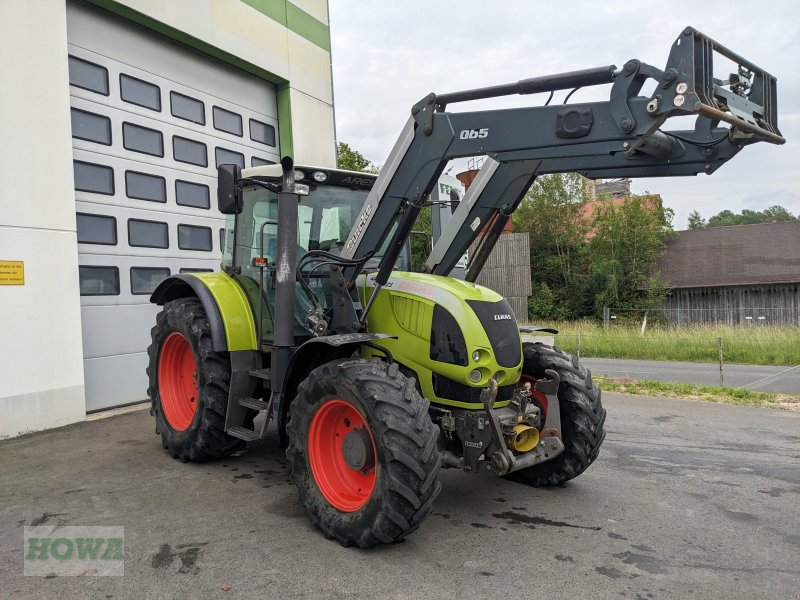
{"points": [[338, 177]]}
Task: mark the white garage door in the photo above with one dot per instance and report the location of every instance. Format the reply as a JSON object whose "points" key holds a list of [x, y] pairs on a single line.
{"points": [[151, 120]]}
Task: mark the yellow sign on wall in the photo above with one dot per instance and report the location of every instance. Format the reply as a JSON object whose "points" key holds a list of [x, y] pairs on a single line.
{"points": [[12, 272]]}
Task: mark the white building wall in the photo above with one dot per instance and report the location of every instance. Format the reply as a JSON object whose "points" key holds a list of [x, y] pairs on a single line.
{"points": [[41, 373], [41, 370]]}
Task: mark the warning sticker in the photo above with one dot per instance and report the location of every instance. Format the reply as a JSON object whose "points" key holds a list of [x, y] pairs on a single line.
{"points": [[12, 272]]}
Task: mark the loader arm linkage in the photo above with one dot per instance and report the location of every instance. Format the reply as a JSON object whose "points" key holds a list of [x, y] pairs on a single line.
{"points": [[620, 137]]}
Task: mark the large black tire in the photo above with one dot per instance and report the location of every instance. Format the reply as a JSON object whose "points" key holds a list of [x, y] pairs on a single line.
{"points": [[204, 438], [407, 463], [582, 416]]}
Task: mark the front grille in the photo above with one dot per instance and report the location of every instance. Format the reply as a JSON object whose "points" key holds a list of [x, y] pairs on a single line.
{"points": [[500, 325], [452, 390], [410, 313]]}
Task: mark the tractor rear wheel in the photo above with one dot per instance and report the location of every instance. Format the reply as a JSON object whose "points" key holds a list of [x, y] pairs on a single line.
{"points": [[363, 453], [582, 415], [189, 384]]}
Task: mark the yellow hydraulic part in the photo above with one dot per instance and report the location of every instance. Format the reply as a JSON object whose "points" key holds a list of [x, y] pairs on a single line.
{"points": [[524, 438]]}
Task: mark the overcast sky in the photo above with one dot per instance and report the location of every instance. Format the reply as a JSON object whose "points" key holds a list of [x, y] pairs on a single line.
{"points": [[387, 55]]}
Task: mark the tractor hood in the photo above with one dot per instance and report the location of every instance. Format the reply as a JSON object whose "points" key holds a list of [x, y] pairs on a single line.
{"points": [[453, 334]]}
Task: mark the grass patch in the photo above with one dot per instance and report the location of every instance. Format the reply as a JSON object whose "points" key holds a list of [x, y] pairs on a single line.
{"points": [[690, 391], [756, 345]]}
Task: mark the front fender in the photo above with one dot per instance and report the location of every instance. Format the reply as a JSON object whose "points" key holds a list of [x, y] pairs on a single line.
{"points": [[310, 355], [229, 315]]}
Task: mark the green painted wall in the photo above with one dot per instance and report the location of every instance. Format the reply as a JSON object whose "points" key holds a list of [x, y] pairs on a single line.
{"points": [[295, 19]]}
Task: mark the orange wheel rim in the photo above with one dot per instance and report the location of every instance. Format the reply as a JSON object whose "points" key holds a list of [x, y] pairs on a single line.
{"points": [[341, 452], [177, 381]]}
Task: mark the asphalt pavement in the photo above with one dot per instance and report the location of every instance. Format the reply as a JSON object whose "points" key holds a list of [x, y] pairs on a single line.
{"points": [[686, 500], [760, 378]]}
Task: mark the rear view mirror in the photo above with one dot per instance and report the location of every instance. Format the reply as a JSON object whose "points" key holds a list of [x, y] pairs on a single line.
{"points": [[229, 194], [455, 198]]}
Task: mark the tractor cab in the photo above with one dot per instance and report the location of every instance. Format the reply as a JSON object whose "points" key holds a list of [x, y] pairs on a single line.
{"points": [[329, 202]]}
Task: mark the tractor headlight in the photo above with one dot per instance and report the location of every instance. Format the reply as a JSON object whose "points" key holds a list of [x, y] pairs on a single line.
{"points": [[319, 176], [299, 175], [475, 376], [476, 356]]}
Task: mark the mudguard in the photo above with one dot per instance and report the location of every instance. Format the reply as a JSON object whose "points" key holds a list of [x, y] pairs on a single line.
{"points": [[229, 315], [309, 356]]}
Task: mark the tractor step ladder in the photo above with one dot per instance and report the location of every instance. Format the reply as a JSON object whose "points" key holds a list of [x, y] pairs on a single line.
{"points": [[243, 433], [265, 374], [253, 403], [250, 435]]}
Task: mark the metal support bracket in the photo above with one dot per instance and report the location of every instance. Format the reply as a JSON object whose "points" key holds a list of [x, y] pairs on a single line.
{"points": [[423, 111], [549, 387], [503, 460]]}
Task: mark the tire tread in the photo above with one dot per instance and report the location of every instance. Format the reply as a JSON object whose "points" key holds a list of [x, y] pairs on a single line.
{"points": [[411, 466], [582, 416]]}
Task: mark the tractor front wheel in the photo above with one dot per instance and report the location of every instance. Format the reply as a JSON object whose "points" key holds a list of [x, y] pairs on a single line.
{"points": [[582, 415], [189, 384], [363, 452]]}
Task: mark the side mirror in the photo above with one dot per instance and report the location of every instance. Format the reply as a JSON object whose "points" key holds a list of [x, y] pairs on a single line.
{"points": [[229, 194], [455, 198]]}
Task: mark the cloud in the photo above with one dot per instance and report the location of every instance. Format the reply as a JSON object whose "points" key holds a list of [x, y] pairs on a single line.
{"points": [[388, 55]]}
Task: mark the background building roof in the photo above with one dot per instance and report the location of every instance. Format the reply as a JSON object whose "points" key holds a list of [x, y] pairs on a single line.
{"points": [[738, 255]]}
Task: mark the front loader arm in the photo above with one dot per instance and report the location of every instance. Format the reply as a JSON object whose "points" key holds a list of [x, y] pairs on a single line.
{"points": [[620, 137]]}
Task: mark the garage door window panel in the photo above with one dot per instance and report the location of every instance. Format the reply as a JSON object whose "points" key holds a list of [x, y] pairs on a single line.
{"points": [[227, 121], [90, 177], [192, 194], [262, 133], [142, 139], [229, 157], [142, 186], [147, 234], [98, 281], [189, 151], [88, 76], [139, 92], [90, 127], [96, 229], [193, 237], [187, 108], [144, 280], [260, 162]]}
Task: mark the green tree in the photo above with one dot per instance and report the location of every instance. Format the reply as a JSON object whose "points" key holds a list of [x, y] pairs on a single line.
{"points": [[420, 239], [543, 306], [726, 218], [352, 160], [696, 221], [552, 213], [778, 213], [627, 240]]}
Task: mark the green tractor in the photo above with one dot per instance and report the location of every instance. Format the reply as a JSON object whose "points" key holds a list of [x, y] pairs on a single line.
{"points": [[377, 377]]}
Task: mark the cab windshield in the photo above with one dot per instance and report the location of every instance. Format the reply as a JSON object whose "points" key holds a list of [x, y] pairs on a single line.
{"points": [[324, 220]]}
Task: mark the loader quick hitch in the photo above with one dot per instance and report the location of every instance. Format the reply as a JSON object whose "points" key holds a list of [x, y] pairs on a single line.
{"points": [[546, 447]]}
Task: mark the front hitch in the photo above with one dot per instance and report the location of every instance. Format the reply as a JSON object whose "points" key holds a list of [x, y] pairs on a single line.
{"points": [[503, 460]]}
